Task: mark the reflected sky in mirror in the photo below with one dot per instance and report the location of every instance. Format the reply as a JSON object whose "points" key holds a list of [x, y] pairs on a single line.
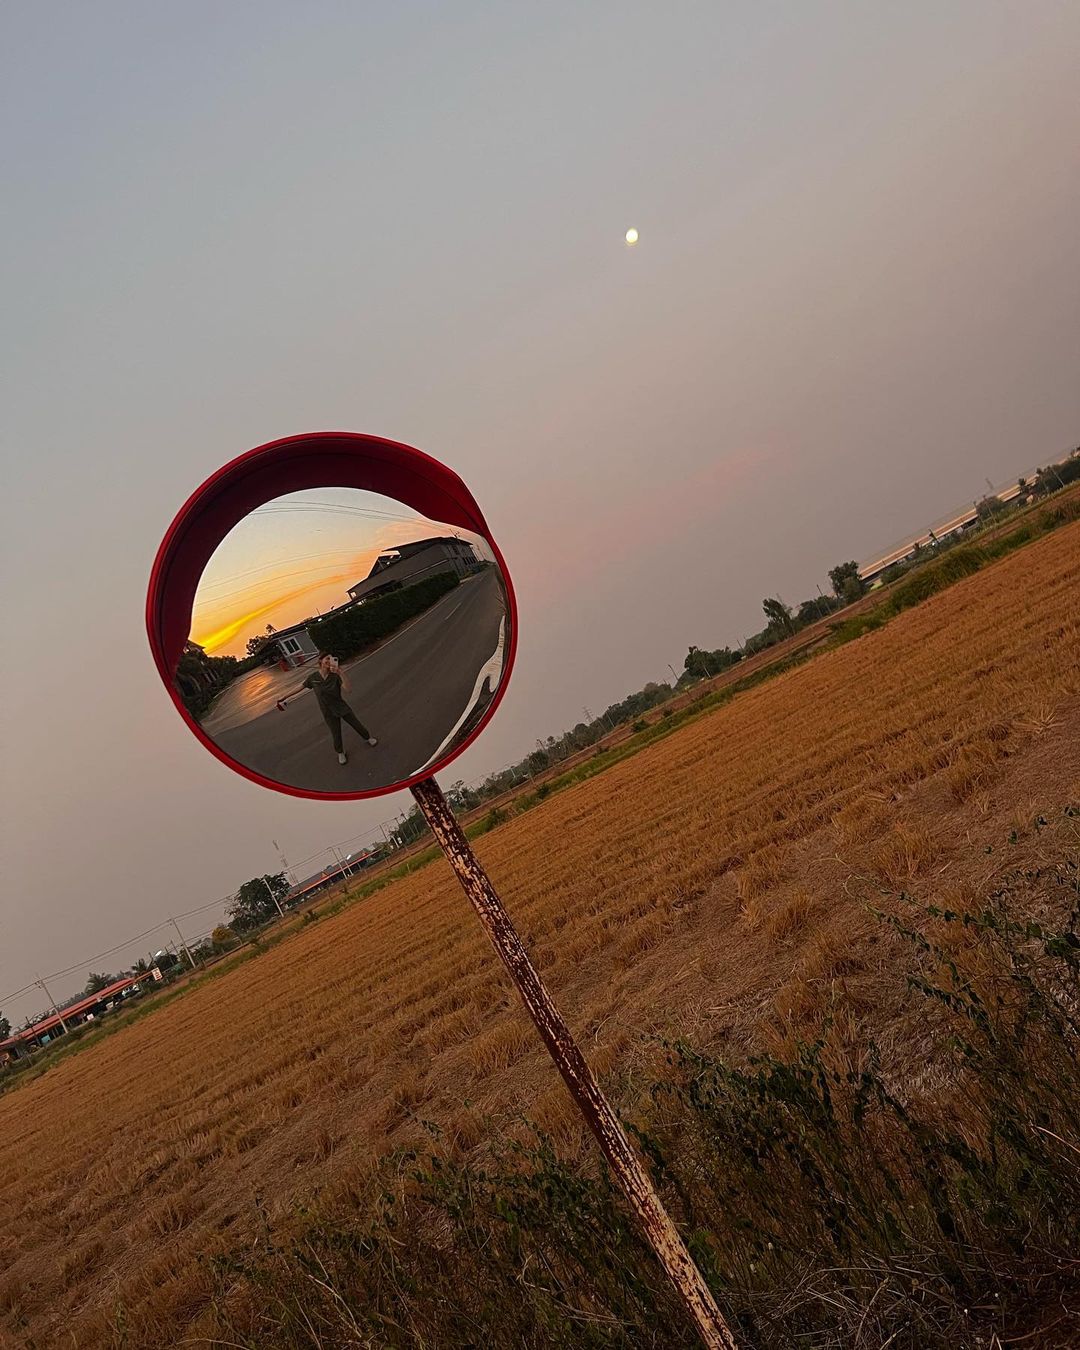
{"points": [[343, 643]]}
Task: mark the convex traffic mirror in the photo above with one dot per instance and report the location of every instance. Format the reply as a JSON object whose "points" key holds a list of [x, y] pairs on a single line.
{"points": [[342, 638]]}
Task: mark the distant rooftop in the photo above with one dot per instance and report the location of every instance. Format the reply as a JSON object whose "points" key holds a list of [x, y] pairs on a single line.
{"points": [[73, 1009]]}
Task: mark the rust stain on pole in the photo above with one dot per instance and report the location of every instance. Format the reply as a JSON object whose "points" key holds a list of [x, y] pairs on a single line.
{"points": [[614, 1142]]}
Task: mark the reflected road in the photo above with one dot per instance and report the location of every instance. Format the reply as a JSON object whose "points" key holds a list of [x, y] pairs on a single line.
{"points": [[412, 692]]}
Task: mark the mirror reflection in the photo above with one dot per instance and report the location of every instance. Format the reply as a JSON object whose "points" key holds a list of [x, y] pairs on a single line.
{"points": [[340, 642]]}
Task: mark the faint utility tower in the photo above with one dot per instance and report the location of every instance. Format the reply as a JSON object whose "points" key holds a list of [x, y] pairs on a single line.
{"points": [[285, 863]]}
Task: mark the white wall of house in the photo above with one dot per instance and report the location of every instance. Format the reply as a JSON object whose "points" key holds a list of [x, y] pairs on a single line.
{"points": [[298, 648]]}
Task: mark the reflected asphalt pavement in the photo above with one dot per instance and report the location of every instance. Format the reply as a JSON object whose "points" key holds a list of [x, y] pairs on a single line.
{"points": [[411, 693]]}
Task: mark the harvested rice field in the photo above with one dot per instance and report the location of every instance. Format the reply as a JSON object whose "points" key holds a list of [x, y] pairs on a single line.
{"points": [[714, 885]]}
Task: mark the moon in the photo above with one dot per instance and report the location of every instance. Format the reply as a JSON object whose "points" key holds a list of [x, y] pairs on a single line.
{"points": [[631, 235]]}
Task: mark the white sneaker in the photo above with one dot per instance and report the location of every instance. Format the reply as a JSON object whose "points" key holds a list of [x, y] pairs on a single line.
{"points": [[371, 740], [343, 758]]}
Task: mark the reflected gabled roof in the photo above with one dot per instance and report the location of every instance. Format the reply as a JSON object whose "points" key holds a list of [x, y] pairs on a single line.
{"points": [[390, 556]]}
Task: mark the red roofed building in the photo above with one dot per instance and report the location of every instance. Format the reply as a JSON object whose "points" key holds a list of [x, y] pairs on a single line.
{"points": [[75, 1014], [310, 887]]}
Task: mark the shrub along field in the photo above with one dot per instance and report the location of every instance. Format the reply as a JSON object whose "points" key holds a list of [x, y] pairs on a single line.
{"points": [[861, 1103]]}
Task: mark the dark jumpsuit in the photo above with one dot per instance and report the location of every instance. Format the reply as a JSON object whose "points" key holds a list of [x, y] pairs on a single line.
{"points": [[333, 707]]}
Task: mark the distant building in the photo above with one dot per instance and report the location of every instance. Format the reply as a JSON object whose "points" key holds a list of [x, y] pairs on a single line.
{"points": [[314, 885], [407, 564], [86, 1009], [959, 524]]}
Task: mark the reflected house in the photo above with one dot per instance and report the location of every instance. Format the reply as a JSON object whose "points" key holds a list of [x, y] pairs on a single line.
{"points": [[406, 564], [292, 647]]}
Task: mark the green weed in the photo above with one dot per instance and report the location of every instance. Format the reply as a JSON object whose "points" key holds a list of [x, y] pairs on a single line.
{"points": [[827, 1205]]}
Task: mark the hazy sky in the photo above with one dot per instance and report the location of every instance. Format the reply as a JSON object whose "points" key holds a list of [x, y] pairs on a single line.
{"points": [[856, 296]]}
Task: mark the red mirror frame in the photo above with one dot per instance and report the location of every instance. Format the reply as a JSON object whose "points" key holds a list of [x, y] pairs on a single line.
{"points": [[294, 464]]}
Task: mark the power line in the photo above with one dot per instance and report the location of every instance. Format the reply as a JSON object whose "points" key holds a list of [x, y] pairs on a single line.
{"points": [[87, 961], [378, 835], [280, 562], [18, 993], [201, 909]]}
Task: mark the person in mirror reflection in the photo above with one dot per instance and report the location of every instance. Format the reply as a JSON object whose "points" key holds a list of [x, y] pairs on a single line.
{"points": [[328, 685]]}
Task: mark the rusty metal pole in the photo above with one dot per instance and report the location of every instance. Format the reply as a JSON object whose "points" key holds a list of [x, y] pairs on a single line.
{"points": [[624, 1162]]}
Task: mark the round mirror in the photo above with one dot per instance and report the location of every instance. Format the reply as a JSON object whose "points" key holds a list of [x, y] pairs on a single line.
{"points": [[332, 617]]}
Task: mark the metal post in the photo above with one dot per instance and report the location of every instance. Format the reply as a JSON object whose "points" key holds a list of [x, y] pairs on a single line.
{"points": [[39, 981], [656, 1223], [183, 944], [343, 866], [270, 892]]}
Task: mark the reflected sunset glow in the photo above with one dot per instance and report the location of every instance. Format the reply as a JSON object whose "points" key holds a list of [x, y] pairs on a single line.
{"points": [[293, 560]]}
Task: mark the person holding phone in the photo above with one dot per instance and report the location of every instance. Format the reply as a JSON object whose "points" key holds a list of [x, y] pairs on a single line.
{"points": [[328, 685]]}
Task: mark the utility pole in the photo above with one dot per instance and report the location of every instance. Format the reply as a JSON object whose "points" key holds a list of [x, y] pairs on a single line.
{"points": [[672, 669], [601, 718], [183, 944], [270, 892], [343, 866], [52, 1002]]}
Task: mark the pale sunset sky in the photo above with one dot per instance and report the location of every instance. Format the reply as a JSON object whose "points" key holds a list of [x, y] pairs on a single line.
{"points": [[855, 297]]}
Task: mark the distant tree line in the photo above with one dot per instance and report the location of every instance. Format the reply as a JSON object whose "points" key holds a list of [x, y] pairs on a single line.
{"points": [[200, 678], [783, 621], [1055, 476]]}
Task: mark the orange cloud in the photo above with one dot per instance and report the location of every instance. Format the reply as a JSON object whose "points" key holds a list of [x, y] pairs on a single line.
{"points": [[229, 630], [275, 594]]}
